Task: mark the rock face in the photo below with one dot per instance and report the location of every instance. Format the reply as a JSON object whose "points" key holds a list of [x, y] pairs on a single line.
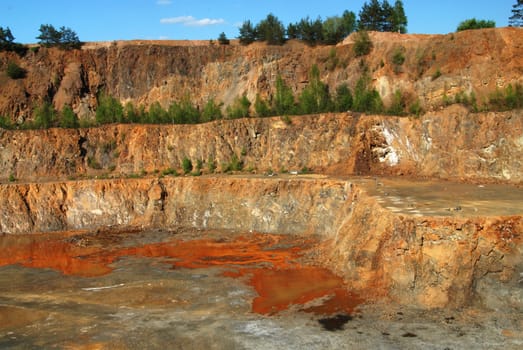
{"points": [[427, 262], [448, 144], [435, 69], [111, 176], [306, 206]]}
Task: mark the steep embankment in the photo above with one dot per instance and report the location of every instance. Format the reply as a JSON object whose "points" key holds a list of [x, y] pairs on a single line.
{"points": [[450, 143], [306, 206], [56, 174], [429, 262], [434, 68]]}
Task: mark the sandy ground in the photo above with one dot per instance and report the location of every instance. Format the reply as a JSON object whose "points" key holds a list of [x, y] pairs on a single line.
{"points": [[153, 303]]}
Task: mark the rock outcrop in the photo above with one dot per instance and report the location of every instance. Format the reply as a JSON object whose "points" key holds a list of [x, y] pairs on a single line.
{"points": [[434, 70], [427, 262], [448, 144], [117, 176]]}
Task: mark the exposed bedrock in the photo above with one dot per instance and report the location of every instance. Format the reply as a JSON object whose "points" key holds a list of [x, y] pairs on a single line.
{"points": [[448, 144], [423, 261], [434, 70]]}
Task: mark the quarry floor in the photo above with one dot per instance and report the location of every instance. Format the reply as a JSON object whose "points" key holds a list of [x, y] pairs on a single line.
{"points": [[192, 289], [214, 290]]}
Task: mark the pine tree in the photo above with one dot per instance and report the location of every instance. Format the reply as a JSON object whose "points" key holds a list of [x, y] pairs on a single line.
{"points": [[315, 96], [65, 37], [336, 28], [283, 102], [516, 20], [399, 19], [371, 16], [383, 17], [69, 39], [271, 30], [247, 33], [387, 13], [68, 118], [49, 36], [6, 38], [223, 40]]}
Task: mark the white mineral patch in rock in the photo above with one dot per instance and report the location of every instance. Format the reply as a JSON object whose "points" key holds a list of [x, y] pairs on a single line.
{"points": [[387, 154]]}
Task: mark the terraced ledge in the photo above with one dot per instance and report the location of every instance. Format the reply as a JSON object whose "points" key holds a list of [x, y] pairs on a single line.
{"points": [[429, 261]]}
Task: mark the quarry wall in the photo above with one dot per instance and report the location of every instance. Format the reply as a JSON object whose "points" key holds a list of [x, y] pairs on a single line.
{"points": [[448, 144], [429, 261]]}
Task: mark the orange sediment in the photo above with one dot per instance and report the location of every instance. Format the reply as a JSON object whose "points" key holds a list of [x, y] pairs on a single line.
{"points": [[270, 264]]}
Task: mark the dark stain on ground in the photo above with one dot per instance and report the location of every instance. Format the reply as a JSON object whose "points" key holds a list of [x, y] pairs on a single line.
{"points": [[335, 323], [409, 335]]}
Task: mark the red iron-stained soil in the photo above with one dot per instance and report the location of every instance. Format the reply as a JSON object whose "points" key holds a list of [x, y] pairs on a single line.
{"points": [[271, 264]]}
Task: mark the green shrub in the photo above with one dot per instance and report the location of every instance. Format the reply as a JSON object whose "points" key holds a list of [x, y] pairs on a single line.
{"points": [[211, 111], [261, 107], [109, 110], [475, 24], [222, 39], [133, 114], [514, 96], [343, 100], [183, 112], [447, 101], [509, 98], [363, 44], [305, 170], [398, 58], [236, 164], [415, 108], [169, 171], [436, 74], [14, 71], [12, 178], [211, 165], [187, 165], [68, 118], [365, 98], [333, 60], [283, 101], [5, 123], [315, 97], [239, 108], [44, 116], [398, 104], [156, 114], [199, 165]]}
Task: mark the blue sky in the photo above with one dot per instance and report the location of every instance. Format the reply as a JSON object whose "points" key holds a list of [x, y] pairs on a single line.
{"points": [[105, 20]]}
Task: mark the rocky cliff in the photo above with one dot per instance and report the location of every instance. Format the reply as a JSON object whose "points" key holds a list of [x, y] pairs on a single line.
{"points": [[113, 176], [427, 261], [450, 144], [434, 68]]}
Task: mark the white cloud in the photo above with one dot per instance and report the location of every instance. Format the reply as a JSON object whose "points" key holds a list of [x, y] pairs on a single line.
{"points": [[164, 2], [190, 21]]}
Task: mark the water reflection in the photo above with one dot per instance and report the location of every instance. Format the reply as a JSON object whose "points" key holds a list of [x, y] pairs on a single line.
{"points": [[273, 265]]}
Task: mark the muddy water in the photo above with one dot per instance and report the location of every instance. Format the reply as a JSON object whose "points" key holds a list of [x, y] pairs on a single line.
{"points": [[205, 290], [77, 290], [444, 198]]}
